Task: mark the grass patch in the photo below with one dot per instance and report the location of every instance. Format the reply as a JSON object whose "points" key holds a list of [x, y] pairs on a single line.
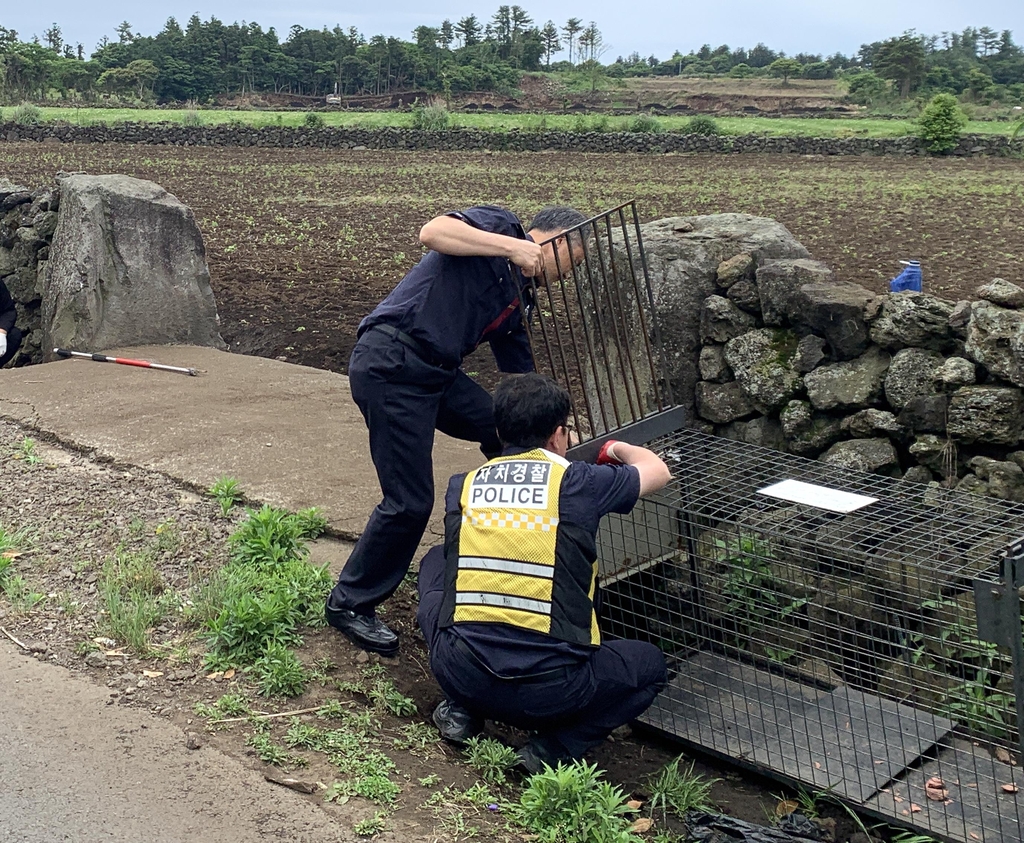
{"points": [[776, 127], [679, 791], [134, 598], [255, 606]]}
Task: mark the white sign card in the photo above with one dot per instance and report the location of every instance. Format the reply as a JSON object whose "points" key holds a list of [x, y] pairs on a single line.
{"points": [[822, 497]]}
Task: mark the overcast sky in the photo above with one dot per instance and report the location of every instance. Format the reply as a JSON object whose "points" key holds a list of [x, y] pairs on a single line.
{"points": [[656, 27]]}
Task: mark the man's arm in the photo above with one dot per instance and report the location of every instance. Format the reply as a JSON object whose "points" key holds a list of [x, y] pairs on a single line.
{"points": [[654, 474], [451, 236]]}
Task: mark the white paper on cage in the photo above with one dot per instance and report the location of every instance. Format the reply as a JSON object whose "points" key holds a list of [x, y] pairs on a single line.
{"points": [[834, 500]]}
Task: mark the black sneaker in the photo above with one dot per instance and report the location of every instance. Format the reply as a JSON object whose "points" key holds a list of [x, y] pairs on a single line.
{"points": [[455, 723], [367, 631]]}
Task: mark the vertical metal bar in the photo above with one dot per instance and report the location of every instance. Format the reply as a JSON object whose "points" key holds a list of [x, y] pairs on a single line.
{"points": [[666, 400], [1013, 572], [572, 336], [599, 322], [636, 409]]}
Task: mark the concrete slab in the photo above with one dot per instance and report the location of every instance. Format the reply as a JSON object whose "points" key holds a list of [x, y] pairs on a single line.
{"points": [[290, 435]]}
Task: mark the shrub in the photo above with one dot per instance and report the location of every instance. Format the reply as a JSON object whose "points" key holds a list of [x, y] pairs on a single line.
{"points": [[646, 123], [701, 125], [941, 124], [431, 117], [312, 120], [27, 114], [191, 118]]}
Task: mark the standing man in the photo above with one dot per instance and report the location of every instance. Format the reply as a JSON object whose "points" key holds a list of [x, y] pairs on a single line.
{"points": [[405, 377], [10, 336], [508, 606]]}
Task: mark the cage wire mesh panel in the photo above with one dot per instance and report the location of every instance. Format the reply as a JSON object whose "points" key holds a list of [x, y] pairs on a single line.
{"points": [[593, 330], [840, 650]]}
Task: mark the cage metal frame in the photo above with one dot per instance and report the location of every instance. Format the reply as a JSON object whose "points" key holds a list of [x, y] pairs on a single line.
{"points": [[892, 611]]}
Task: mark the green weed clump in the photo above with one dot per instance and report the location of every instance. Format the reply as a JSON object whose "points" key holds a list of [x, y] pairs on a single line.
{"points": [[192, 119], [227, 493], [134, 597], [571, 803], [491, 759], [431, 117], [268, 590], [312, 120], [645, 123], [27, 114], [702, 125], [679, 790], [941, 124], [279, 672]]}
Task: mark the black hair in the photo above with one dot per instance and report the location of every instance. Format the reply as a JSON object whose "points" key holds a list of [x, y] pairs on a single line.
{"points": [[556, 218], [528, 409]]}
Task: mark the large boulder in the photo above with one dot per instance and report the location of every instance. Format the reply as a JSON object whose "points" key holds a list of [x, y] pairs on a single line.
{"points": [[850, 385], [989, 414], [995, 339], [1002, 292], [913, 320], [910, 375], [806, 432], [804, 293], [722, 403], [127, 267], [721, 320], [684, 255], [762, 362], [875, 456]]}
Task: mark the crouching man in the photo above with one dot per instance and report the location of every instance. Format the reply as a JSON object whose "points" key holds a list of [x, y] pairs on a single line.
{"points": [[507, 606]]}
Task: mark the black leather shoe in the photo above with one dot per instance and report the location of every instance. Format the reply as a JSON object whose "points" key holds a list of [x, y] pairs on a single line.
{"points": [[367, 631], [455, 723], [538, 753]]}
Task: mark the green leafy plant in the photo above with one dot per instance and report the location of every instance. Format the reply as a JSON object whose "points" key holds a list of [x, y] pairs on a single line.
{"points": [[432, 116], [371, 826], [679, 790], [312, 120], [941, 124], [645, 124], [27, 451], [192, 118], [27, 114], [279, 672], [701, 125], [268, 751], [571, 803], [491, 759], [227, 493]]}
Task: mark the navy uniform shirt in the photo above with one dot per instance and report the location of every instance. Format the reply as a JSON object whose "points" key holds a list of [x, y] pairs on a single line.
{"points": [[588, 493], [451, 304]]}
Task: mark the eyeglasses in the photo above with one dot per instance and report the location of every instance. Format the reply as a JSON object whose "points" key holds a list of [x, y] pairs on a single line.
{"points": [[569, 427]]}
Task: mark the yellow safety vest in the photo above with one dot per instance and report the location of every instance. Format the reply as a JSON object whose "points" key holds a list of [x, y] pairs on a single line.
{"points": [[510, 561]]}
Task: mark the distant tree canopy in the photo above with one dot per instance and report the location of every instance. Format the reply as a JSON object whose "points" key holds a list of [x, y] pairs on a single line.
{"points": [[209, 58]]}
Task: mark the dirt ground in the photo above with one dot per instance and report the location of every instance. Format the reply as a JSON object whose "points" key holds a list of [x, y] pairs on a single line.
{"points": [[302, 244]]}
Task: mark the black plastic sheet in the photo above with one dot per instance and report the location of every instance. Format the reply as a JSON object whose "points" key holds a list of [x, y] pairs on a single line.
{"points": [[716, 828]]}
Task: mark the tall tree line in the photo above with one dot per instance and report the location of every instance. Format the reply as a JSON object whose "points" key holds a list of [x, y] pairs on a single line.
{"points": [[208, 58]]}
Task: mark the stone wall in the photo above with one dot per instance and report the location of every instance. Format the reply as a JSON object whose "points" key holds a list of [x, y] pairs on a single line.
{"points": [[904, 384], [478, 139], [28, 219]]}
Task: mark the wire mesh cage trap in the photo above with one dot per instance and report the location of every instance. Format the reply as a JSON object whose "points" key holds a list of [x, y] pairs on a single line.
{"points": [[851, 633]]}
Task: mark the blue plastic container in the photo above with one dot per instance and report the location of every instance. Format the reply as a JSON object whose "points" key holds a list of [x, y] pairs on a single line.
{"points": [[909, 280]]}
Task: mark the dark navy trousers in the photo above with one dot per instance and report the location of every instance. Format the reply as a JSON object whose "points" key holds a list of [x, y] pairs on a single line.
{"points": [[577, 709], [13, 344], [403, 399]]}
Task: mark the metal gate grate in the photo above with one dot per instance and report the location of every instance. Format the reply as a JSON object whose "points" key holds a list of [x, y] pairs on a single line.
{"points": [[874, 652]]}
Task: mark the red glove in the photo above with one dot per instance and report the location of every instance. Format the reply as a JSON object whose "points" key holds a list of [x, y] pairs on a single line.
{"points": [[605, 455]]}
